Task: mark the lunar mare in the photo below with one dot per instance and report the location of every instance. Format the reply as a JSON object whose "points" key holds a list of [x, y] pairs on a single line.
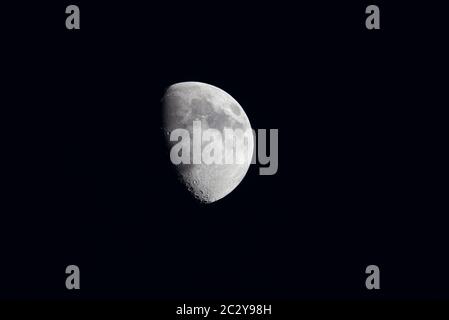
{"points": [[187, 103]]}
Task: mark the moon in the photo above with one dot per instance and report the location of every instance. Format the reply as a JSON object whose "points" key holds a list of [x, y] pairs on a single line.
{"points": [[186, 102]]}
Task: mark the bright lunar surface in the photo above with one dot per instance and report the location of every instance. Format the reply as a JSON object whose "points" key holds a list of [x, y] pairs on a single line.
{"points": [[186, 102]]}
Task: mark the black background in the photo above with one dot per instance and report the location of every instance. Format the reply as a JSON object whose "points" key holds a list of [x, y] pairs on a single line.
{"points": [[362, 151]]}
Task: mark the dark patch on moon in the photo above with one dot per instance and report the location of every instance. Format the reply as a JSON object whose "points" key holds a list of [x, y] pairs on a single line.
{"points": [[201, 107], [219, 120], [235, 109]]}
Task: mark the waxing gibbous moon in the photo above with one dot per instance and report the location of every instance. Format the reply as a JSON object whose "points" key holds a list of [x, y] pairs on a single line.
{"points": [[187, 103]]}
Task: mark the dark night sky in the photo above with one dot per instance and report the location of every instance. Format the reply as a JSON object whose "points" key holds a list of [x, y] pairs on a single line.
{"points": [[361, 152]]}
